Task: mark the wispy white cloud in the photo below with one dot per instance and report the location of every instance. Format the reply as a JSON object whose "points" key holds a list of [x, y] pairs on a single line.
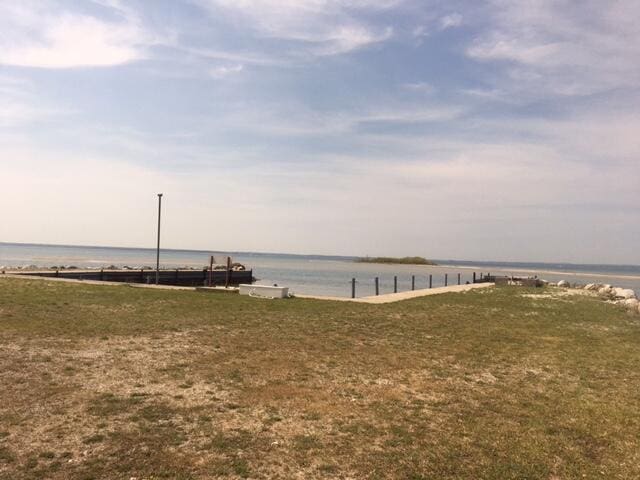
{"points": [[44, 35], [236, 56], [450, 21], [21, 105], [421, 87], [345, 39], [223, 71], [564, 48], [420, 31], [295, 121], [321, 27]]}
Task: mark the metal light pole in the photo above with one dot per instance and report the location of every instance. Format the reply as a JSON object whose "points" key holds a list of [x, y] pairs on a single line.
{"points": [[158, 248]]}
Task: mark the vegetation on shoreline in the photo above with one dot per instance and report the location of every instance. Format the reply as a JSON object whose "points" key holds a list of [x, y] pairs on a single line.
{"points": [[399, 261], [117, 382]]}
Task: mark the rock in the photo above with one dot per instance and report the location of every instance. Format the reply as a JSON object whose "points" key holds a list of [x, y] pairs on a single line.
{"points": [[624, 293], [564, 283], [631, 304], [594, 287]]}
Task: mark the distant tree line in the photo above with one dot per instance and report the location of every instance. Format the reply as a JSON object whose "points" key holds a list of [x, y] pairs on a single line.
{"points": [[394, 260]]}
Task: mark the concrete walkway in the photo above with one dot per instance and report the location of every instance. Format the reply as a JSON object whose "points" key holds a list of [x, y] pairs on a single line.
{"points": [[397, 297], [97, 282]]}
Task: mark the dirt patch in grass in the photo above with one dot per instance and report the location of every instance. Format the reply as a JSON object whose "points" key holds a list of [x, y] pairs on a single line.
{"points": [[110, 382]]}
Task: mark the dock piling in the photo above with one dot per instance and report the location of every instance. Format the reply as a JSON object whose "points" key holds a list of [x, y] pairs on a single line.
{"points": [[430, 281], [353, 288], [413, 282], [459, 279], [446, 279], [395, 284], [377, 286]]}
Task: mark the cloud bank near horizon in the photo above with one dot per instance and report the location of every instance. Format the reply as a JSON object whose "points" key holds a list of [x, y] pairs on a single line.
{"points": [[472, 130]]}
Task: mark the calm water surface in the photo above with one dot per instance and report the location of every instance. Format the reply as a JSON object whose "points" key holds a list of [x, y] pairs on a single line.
{"points": [[316, 275]]}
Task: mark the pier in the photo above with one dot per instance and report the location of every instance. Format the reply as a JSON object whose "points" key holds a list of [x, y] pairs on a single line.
{"points": [[397, 297], [177, 277]]}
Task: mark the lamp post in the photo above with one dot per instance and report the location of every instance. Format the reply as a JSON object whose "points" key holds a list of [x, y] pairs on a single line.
{"points": [[158, 247]]}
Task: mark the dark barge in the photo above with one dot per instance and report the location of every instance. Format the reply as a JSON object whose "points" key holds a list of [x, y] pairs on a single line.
{"points": [[187, 278]]}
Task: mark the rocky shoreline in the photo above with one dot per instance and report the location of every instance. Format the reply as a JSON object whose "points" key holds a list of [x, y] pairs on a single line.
{"points": [[619, 296]]}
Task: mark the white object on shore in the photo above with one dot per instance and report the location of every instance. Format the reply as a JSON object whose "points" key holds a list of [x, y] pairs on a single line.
{"points": [[264, 291], [631, 304], [563, 283], [624, 293]]}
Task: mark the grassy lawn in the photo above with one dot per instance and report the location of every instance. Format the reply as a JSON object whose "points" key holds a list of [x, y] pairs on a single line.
{"points": [[119, 382]]}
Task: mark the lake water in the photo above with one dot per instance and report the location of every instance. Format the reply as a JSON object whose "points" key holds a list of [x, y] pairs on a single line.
{"points": [[312, 274]]}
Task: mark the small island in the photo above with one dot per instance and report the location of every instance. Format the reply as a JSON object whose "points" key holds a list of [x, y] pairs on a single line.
{"points": [[393, 260]]}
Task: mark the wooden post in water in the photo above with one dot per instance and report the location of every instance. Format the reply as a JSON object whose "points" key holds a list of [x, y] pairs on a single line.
{"points": [[101, 274], [474, 277], [413, 282], [377, 286], [459, 279], [228, 277], [353, 288], [446, 279], [176, 276], [211, 270], [395, 284], [430, 281]]}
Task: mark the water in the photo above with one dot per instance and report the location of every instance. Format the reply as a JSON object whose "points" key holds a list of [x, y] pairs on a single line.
{"points": [[312, 274]]}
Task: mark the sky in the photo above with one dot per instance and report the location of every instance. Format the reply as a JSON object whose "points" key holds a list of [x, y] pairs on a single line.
{"points": [[484, 130]]}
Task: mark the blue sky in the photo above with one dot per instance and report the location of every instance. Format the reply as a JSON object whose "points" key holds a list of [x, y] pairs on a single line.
{"points": [[502, 130]]}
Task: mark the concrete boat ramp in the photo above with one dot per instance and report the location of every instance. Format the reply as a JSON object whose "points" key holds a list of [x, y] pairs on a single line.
{"points": [[397, 297]]}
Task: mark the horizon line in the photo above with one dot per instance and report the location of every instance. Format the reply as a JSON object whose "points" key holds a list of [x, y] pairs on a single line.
{"points": [[450, 261]]}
